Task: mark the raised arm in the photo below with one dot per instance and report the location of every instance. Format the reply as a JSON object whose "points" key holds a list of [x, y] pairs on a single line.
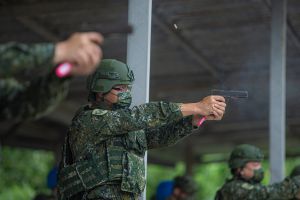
{"points": [[169, 134], [157, 114], [18, 58], [285, 190], [80, 49], [145, 116], [32, 100], [150, 115]]}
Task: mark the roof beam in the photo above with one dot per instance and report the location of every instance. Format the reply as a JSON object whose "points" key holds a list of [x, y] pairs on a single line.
{"points": [[38, 29], [60, 7]]}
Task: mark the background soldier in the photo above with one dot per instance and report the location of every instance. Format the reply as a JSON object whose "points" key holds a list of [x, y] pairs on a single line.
{"points": [[29, 87], [103, 155], [181, 188], [184, 188], [245, 164], [164, 190]]}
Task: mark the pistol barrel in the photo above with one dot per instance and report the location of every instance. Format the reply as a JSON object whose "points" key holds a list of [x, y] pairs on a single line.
{"points": [[236, 94]]}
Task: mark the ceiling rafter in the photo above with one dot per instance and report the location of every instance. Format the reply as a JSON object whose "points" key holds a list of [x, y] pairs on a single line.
{"points": [[38, 28]]}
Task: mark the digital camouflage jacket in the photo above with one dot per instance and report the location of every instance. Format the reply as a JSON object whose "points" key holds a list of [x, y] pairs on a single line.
{"points": [[108, 147], [239, 189]]}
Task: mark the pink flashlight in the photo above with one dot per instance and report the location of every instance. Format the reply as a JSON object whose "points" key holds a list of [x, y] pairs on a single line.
{"points": [[63, 69], [200, 122]]}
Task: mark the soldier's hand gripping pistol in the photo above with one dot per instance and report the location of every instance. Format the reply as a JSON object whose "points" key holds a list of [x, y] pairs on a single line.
{"points": [[64, 69], [232, 94]]}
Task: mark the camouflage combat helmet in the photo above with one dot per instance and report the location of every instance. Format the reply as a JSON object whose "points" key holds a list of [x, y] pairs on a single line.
{"points": [[244, 153], [109, 73]]}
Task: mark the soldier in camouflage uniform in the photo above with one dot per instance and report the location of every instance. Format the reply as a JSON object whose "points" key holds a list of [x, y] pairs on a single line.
{"points": [[28, 86], [245, 164], [103, 156]]}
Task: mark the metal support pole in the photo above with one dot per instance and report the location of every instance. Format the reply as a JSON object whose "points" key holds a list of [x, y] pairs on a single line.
{"points": [[277, 90], [138, 51]]}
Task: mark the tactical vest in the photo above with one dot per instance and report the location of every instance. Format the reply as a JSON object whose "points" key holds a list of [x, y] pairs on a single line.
{"points": [[122, 162]]}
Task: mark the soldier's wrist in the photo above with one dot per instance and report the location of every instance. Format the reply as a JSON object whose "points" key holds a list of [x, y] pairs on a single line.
{"points": [[59, 50], [188, 109]]}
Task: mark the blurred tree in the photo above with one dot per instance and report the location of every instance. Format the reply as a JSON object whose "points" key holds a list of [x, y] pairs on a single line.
{"points": [[23, 172]]}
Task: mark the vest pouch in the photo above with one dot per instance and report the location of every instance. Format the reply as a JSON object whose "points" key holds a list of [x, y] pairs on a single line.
{"points": [[133, 179], [114, 160], [136, 140], [92, 173], [82, 176]]}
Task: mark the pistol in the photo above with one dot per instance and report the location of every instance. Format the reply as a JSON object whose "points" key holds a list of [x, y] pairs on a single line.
{"points": [[116, 30], [233, 94]]}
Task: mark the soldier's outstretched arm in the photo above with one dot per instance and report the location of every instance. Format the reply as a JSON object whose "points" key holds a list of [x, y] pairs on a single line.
{"points": [[18, 58], [149, 115], [80, 49], [284, 190], [212, 107], [155, 114], [169, 134], [30, 101]]}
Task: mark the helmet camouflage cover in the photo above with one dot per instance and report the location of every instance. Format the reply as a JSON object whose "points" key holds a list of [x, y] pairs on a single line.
{"points": [[109, 73], [244, 153]]}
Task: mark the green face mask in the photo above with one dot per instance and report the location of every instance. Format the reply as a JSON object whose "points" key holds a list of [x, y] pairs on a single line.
{"points": [[124, 100], [258, 175]]}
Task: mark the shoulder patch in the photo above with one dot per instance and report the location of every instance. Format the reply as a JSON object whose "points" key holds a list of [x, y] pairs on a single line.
{"points": [[99, 112], [247, 186]]}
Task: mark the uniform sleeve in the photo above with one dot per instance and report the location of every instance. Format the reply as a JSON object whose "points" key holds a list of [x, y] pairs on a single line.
{"points": [[25, 59], [169, 134], [32, 99], [284, 190], [119, 122], [145, 116]]}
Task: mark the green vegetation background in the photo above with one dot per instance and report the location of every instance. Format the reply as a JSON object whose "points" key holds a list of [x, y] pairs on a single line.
{"points": [[23, 173]]}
